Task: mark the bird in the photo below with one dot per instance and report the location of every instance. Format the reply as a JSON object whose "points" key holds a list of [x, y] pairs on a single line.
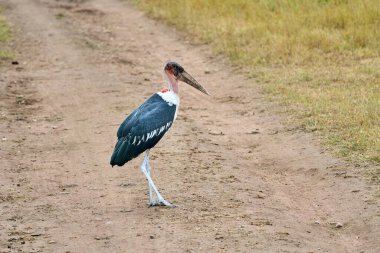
{"points": [[146, 125]]}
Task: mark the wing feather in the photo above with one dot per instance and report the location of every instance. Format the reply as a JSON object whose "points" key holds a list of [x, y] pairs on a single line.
{"points": [[143, 129]]}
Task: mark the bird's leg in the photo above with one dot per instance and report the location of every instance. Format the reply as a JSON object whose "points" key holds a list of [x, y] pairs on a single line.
{"points": [[146, 161], [157, 201], [160, 200]]}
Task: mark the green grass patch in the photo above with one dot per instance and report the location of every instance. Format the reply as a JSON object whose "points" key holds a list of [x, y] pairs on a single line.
{"points": [[4, 29], [319, 58], [5, 55], [5, 34]]}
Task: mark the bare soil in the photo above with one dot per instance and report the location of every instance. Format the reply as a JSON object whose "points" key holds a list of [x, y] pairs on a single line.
{"points": [[242, 180]]}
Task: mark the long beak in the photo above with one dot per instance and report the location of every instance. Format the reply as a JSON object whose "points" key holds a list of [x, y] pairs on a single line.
{"points": [[185, 77]]}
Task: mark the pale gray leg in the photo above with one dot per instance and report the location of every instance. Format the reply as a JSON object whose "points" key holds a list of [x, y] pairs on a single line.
{"points": [[160, 200], [146, 161]]}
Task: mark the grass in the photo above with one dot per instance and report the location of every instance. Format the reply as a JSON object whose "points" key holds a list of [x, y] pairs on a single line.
{"points": [[277, 31], [319, 58], [5, 34]]}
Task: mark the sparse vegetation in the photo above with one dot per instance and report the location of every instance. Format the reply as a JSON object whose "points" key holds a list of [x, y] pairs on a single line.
{"points": [[6, 54], [320, 58], [60, 15], [4, 36]]}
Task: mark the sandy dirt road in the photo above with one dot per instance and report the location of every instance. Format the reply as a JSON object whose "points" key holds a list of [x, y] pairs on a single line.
{"points": [[243, 181]]}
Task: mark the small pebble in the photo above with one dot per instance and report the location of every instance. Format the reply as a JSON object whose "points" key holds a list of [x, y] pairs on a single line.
{"points": [[260, 195], [336, 224]]}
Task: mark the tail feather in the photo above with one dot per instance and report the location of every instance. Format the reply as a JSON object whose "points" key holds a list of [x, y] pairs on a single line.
{"points": [[119, 156]]}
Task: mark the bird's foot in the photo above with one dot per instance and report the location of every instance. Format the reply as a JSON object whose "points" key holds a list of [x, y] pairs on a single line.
{"points": [[161, 202]]}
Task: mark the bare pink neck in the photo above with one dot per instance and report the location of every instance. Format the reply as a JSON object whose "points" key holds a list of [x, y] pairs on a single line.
{"points": [[173, 84]]}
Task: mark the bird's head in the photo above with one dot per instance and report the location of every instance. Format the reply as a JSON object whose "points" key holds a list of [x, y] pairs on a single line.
{"points": [[176, 72]]}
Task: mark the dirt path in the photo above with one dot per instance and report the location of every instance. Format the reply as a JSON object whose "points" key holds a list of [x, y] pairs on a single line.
{"points": [[242, 181]]}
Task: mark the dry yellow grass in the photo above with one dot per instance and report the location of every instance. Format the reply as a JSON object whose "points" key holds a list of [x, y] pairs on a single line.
{"points": [[320, 58], [340, 102], [278, 31]]}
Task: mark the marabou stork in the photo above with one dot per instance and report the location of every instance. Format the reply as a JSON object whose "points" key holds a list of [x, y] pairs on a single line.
{"points": [[146, 125]]}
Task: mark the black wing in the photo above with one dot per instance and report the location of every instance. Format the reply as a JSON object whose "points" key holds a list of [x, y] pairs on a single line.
{"points": [[143, 129]]}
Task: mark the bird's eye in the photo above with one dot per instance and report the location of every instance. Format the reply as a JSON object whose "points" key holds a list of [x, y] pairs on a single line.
{"points": [[176, 71]]}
